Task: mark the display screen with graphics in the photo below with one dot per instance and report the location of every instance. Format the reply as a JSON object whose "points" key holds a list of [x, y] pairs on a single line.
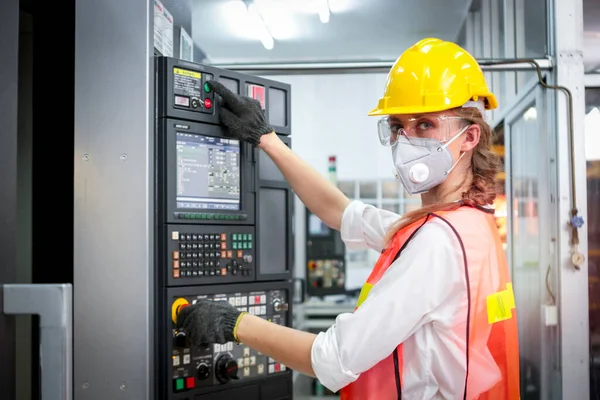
{"points": [[208, 172]]}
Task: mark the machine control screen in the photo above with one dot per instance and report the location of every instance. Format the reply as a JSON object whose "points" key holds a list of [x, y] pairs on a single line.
{"points": [[208, 172]]}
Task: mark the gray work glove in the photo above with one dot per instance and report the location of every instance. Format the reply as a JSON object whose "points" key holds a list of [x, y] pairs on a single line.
{"points": [[208, 322], [242, 115]]}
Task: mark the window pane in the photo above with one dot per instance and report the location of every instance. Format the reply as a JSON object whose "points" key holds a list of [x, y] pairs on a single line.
{"points": [[591, 43], [592, 140], [347, 187], [395, 208], [525, 242], [368, 190], [390, 189]]}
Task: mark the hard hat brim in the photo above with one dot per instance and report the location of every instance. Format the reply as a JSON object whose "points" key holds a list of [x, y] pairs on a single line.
{"points": [[490, 104]]}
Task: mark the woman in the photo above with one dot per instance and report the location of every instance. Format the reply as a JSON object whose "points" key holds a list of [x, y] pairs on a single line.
{"points": [[436, 317]]}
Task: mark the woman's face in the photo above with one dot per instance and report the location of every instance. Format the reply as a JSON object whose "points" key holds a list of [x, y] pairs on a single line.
{"points": [[440, 126]]}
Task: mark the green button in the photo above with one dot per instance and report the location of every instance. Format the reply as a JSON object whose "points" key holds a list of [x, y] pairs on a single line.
{"points": [[249, 245], [206, 88], [179, 384], [197, 216], [235, 236], [245, 236], [249, 236], [245, 245], [187, 215]]}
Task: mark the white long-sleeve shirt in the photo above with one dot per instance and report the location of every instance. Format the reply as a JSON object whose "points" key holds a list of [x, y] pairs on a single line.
{"points": [[421, 296]]}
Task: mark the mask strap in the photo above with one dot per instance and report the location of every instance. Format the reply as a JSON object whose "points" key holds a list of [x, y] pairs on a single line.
{"points": [[448, 143], [455, 164]]}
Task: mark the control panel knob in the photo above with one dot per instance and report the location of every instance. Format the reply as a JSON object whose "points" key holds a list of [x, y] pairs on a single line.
{"points": [[195, 102], [179, 339], [279, 305], [203, 371], [248, 258], [226, 369]]}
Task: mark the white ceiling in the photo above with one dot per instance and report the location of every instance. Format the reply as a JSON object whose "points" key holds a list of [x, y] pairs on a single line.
{"points": [[358, 30]]}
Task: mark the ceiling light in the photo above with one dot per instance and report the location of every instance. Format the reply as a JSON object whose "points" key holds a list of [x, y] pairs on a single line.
{"points": [[259, 24], [324, 11]]}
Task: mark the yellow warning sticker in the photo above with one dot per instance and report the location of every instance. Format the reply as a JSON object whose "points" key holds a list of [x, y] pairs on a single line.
{"points": [[364, 292], [500, 305], [185, 72]]}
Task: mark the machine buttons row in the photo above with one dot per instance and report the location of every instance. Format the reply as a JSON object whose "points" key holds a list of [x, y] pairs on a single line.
{"points": [[180, 384], [177, 360], [244, 300], [197, 237], [204, 216], [180, 273]]}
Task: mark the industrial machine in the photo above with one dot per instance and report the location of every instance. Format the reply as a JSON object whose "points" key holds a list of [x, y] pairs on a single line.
{"points": [[325, 258], [223, 232]]}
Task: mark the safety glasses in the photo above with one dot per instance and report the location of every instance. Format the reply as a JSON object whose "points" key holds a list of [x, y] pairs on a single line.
{"points": [[438, 127]]}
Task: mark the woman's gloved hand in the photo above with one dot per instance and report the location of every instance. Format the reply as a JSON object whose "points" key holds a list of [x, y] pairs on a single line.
{"points": [[208, 322], [243, 116]]}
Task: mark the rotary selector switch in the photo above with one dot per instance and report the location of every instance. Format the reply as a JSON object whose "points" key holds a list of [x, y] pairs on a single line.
{"points": [[226, 369], [179, 339], [203, 371], [279, 305]]}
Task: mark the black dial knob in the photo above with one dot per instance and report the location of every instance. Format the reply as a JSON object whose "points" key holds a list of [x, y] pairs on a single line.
{"points": [[203, 371], [179, 339], [227, 369]]}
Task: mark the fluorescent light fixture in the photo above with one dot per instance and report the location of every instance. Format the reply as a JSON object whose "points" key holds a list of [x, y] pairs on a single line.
{"points": [[259, 24], [324, 11]]}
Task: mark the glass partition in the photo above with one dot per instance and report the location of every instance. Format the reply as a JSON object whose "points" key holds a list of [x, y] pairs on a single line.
{"points": [[592, 144], [529, 223]]}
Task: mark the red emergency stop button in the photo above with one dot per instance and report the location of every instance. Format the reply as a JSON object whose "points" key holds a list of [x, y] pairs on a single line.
{"points": [[189, 382], [207, 103]]}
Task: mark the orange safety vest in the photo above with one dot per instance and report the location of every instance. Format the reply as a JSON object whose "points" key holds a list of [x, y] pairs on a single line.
{"points": [[491, 326]]}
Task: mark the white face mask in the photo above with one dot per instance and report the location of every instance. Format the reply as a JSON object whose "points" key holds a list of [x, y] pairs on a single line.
{"points": [[423, 163]]}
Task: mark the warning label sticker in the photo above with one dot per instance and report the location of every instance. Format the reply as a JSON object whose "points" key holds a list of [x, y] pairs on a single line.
{"points": [[187, 82]]}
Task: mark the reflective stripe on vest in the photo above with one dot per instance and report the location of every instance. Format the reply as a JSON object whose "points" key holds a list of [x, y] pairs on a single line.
{"points": [[491, 337]]}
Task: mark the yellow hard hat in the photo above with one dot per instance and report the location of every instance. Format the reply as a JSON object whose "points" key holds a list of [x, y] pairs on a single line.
{"points": [[433, 75]]}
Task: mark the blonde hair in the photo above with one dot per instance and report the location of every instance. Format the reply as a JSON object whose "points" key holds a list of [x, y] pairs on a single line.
{"points": [[482, 174]]}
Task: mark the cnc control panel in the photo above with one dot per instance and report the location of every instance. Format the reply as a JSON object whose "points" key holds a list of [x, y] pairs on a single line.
{"points": [[223, 232], [228, 364]]}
